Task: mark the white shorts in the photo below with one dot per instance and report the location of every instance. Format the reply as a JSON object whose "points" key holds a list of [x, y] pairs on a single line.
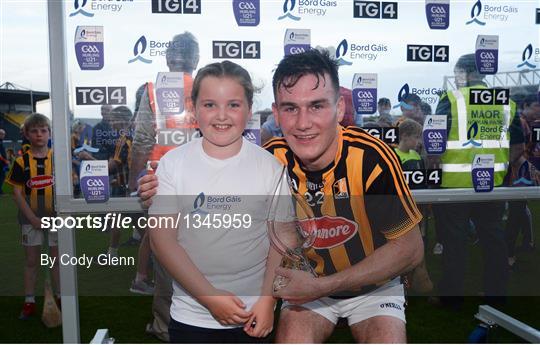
{"points": [[34, 237], [388, 300]]}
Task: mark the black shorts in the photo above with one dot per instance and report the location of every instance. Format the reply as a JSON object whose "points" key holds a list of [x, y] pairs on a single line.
{"points": [[181, 333]]}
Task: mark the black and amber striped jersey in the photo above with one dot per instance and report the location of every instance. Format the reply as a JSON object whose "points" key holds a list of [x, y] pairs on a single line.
{"points": [[35, 176], [359, 201]]}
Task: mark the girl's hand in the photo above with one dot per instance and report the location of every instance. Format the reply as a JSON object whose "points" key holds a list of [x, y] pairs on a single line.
{"points": [[261, 323], [226, 308]]}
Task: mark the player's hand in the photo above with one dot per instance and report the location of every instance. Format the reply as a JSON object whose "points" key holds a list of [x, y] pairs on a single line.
{"points": [[302, 287], [261, 323], [36, 223], [147, 189], [226, 308]]}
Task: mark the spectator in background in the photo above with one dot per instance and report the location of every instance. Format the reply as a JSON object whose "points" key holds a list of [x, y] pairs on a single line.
{"points": [[349, 115], [453, 219], [412, 109], [4, 162], [103, 135], [383, 107], [525, 173], [410, 133], [269, 128], [426, 109]]}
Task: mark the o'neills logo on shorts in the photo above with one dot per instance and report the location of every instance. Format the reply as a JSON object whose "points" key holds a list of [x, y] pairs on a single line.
{"points": [[331, 231], [40, 182]]}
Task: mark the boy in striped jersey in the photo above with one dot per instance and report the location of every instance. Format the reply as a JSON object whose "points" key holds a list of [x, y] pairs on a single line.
{"points": [[32, 178]]}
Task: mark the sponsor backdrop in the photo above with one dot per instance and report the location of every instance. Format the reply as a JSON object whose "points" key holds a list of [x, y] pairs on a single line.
{"points": [[397, 47]]}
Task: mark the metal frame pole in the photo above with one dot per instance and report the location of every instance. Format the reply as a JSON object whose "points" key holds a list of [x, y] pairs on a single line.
{"points": [[61, 132]]}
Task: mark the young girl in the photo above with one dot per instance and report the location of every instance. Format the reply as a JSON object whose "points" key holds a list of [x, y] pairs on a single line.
{"points": [[223, 269]]}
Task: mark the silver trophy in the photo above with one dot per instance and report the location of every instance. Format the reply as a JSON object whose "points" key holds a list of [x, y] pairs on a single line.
{"points": [[291, 227]]}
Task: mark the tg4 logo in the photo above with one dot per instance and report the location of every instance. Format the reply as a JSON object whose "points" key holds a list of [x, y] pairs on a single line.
{"points": [[176, 6], [236, 49]]}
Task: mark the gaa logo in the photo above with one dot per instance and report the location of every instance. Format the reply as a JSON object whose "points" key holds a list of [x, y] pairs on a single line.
{"points": [[250, 136], [138, 49], [176, 6], [89, 48], [487, 56], [476, 10], [94, 183], [427, 53], [341, 51], [526, 56], [435, 135], [375, 9], [100, 95], [170, 94], [483, 174], [236, 49], [288, 7], [79, 9]]}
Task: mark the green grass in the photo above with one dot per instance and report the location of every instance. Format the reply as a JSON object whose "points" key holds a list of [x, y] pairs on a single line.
{"points": [[106, 303]]}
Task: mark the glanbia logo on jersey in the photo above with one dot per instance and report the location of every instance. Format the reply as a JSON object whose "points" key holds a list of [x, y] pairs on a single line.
{"points": [[40, 182], [331, 231]]}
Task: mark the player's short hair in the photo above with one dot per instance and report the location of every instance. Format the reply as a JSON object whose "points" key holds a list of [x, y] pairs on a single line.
{"points": [[36, 120], [184, 51], [409, 128], [412, 99], [315, 62], [524, 95], [221, 70], [121, 113], [384, 101]]}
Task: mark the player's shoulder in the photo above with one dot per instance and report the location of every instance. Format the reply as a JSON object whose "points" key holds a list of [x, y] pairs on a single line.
{"points": [[276, 143], [374, 150]]}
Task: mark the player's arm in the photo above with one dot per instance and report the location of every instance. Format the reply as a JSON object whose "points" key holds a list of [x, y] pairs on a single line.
{"points": [[26, 210], [16, 179], [394, 258]]}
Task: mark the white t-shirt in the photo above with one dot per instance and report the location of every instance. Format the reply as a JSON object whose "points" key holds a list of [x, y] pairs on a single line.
{"points": [[207, 191]]}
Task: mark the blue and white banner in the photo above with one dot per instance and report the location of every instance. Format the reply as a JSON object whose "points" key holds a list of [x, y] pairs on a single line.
{"points": [[89, 47], [435, 134], [438, 14], [364, 95], [297, 41], [483, 172], [487, 54], [94, 181]]}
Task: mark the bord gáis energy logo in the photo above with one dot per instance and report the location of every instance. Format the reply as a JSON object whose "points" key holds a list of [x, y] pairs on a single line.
{"points": [[79, 9], [288, 7], [526, 57], [472, 132], [403, 94], [138, 49], [476, 10], [341, 52]]}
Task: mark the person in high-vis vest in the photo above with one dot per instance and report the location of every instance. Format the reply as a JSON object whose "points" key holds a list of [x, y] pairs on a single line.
{"points": [[182, 55], [474, 129]]}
